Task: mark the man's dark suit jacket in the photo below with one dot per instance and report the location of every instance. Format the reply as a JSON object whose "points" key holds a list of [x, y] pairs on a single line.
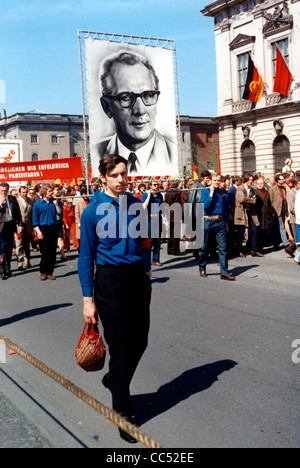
{"points": [[15, 212]]}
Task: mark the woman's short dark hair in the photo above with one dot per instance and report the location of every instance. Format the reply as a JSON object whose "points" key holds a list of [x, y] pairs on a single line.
{"points": [[109, 162]]}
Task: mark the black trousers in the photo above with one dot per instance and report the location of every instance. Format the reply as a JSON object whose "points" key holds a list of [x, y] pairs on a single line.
{"points": [[48, 249], [173, 242], [122, 297], [8, 237]]}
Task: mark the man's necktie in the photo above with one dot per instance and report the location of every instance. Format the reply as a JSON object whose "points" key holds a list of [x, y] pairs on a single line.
{"points": [[7, 213], [132, 163]]}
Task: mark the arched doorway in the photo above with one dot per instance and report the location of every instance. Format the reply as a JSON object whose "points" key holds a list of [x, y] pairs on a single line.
{"points": [[248, 156], [281, 152]]}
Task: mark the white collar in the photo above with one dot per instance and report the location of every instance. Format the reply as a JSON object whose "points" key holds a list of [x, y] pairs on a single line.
{"points": [[142, 154]]}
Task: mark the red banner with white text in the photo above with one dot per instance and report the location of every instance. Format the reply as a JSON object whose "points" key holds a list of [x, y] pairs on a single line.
{"points": [[68, 168]]}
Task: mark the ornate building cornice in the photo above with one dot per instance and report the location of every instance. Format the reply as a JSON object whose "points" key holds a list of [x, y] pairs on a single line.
{"points": [[278, 20]]}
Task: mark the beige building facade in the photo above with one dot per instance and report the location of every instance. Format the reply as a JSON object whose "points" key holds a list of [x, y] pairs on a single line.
{"points": [[256, 137], [45, 136]]}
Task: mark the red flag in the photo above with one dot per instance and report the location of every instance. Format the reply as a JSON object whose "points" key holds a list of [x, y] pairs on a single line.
{"points": [[90, 173], [195, 172], [283, 76]]}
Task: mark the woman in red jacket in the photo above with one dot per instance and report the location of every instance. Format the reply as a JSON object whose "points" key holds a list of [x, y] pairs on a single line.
{"points": [[69, 225]]}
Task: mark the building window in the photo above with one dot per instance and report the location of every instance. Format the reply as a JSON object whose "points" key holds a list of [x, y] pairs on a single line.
{"points": [[34, 139], [54, 140], [54, 156], [281, 152], [74, 138], [242, 72], [284, 49], [209, 138], [34, 157], [248, 156]]}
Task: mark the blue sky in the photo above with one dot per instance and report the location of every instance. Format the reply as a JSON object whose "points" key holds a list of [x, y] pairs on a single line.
{"points": [[39, 52]]}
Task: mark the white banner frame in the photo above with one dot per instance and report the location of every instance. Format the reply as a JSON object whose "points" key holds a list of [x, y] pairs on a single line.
{"points": [[135, 40]]}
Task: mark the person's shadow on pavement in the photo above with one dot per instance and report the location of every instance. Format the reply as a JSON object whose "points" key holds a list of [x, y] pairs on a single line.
{"points": [[150, 405]]}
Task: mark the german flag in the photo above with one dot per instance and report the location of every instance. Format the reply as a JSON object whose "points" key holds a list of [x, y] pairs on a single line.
{"points": [[254, 85]]}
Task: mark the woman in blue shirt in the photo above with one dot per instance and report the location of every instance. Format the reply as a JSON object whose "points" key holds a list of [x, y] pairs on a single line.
{"points": [[44, 220]]}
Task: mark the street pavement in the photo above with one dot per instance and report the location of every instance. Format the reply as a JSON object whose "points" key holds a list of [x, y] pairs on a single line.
{"points": [[218, 371]]}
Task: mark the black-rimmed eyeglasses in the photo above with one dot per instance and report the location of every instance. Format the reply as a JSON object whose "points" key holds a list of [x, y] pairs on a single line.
{"points": [[127, 100]]}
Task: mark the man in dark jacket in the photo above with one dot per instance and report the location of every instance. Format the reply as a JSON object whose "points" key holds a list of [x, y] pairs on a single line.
{"points": [[10, 223], [260, 192], [194, 199], [172, 197]]}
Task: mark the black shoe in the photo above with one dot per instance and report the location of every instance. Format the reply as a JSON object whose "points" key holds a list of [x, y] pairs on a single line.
{"points": [[106, 381], [124, 435], [6, 274], [127, 437]]}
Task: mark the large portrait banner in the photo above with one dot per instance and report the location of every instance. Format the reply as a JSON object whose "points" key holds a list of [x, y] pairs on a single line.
{"points": [[131, 106]]}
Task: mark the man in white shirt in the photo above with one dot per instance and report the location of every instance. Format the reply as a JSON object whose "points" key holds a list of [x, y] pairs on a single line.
{"points": [[23, 243]]}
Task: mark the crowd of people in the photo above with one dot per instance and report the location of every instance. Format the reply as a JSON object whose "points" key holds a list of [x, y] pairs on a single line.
{"points": [[41, 218], [261, 212]]}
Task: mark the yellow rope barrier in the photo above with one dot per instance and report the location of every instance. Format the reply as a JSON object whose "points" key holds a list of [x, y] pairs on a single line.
{"points": [[111, 415]]}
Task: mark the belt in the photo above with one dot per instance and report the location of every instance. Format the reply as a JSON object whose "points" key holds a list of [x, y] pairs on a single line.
{"points": [[124, 267], [213, 217]]}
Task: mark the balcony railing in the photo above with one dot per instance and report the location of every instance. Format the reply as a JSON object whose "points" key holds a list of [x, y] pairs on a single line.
{"points": [[266, 101], [275, 98], [241, 106]]}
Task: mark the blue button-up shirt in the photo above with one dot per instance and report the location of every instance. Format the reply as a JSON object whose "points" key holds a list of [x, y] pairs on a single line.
{"points": [[44, 213], [154, 203], [216, 205], [106, 236]]}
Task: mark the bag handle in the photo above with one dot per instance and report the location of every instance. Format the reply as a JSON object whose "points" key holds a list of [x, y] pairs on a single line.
{"points": [[91, 328]]}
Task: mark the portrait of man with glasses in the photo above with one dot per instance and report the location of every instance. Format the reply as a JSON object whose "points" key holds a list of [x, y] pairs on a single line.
{"points": [[129, 96]]}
